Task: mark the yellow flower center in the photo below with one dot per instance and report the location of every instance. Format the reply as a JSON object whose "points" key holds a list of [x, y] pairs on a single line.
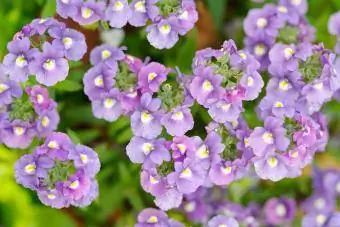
{"points": [[86, 13], [203, 152], [282, 9], [45, 121], [98, 81], [67, 42], [261, 22], [243, 56], [272, 162], [207, 86], [278, 104], [147, 148], [165, 29], [152, 219], [109, 103], [321, 219], [226, 170], [74, 185], [284, 85], [146, 117], [186, 173], [19, 131], [30, 168], [106, 54], [3, 87], [318, 86], [49, 64], [51, 196], [294, 154], [84, 158], [140, 6], [260, 50], [280, 210], [296, 2], [184, 15], [178, 116], [288, 52], [246, 141], [268, 138], [152, 76], [53, 144], [118, 6], [153, 180], [250, 81], [190, 207], [182, 148], [21, 61]]}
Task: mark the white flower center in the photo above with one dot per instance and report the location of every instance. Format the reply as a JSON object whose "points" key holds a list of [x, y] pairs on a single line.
{"points": [[246, 141], [203, 152], [3, 87], [184, 15], [74, 185], [186, 173], [165, 29], [84, 158], [294, 154], [152, 76], [109, 103], [190, 207], [19, 131], [288, 52], [98, 81], [51, 196], [182, 148], [207, 86], [53, 144], [153, 180], [318, 86], [21, 61], [226, 170], [146, 117], [282, 9], [284, 85], [40, 98], [86, 13], [30, 168], [243, 56], [268, 138], [140, 7], [261, 22], [280, 210], [106, 54], [147, 148], [250, 81], [222, 225], [320, 219], [118, 6], [68, 42], [260, 50], [226, 107], [272, 162], [152, 220], [65, 1], [178, 116], [278, 104], [49, 64], [45, 121]]}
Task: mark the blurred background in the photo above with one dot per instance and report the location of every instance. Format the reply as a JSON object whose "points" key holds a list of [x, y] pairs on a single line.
{"points": [[121, 197]]}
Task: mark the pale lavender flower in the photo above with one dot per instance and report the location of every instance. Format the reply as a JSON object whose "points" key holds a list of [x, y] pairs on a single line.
{"points": [[151, 76], [67, 8], [163, 34], [118, 13], [221, 220], [279, 211], [17, 133], [271, 167], [178, 121], [108, 106], [108, 55], [89, 12]]}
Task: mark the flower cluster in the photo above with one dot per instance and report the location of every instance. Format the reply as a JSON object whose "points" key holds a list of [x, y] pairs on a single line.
{"points": [[24, 115], [43, 48], [61, 173], [168, 18], [320, 207], [223, 79], [283, 23]]}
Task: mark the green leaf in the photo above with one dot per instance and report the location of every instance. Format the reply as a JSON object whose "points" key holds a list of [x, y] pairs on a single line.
{"points": [[49, 9], [217, 9], [68, 86], [74, 137], [53, 217], [187, 52]]}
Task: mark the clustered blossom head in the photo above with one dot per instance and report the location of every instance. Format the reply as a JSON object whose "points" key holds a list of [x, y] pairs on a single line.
{"points": [[61, 173], [320, 207], [153, 217], [282, 23], [223, 79], [166, 20], [25, 115], [49, 64]]}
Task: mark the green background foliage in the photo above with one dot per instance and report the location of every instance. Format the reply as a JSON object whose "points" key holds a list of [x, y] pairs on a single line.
{"points": [[121, 197]]}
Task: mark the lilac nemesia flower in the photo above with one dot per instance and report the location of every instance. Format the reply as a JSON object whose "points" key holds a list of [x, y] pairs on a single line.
{"points": [[145, 121], [223, 110], [19, 58], [107, 106], [271, 166], [153, 217], [139, 12], [72, 42], [142, 150], [8, 89], [187, 17], [152, 182], [221, 220], [50, 66], [89, 12], [279, 210], [108, 55], [178, 121], [151, 76], [56, 146], [118, 13], [86, 158], [16, 134], [163, 34]]}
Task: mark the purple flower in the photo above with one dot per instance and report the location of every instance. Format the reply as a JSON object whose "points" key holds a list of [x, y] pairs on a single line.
{"points": [[163, 34], [153, 217], [118, 13], [50, 66], [172, 198], [151, 76], [76, 187], [86, 158], [67, 8], [221, 220], [107, 106], [87, 199], [225, 172], [108, 55], [39, 97], [178, 121], [47, 122], [181, 147], [19, 58], [206, 86], [307, 135], [152, 182], [271, 167], [29, 167], [53, 198], [334, 24], [253, 84], [57, 146], [71, 41], [279, 210], [8, 89], [300, 6], [148, 151], [39, 25], [89, 12], [270, 138], [223, 110], [145, 121], [318, 219], [188, 176], [139, 14], [277, 107], [262, 22], [187, 17], [16, 134]]}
